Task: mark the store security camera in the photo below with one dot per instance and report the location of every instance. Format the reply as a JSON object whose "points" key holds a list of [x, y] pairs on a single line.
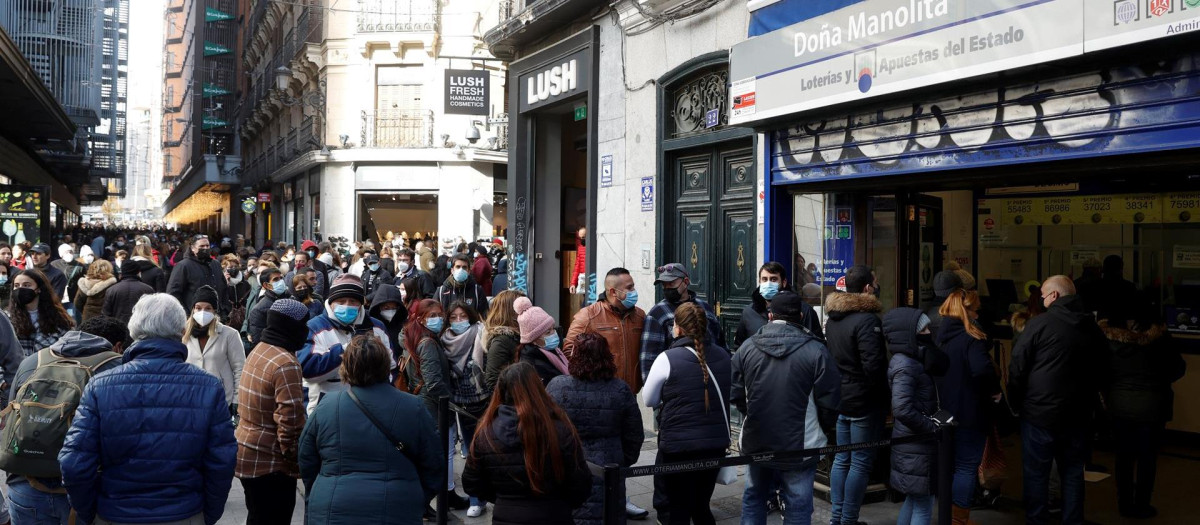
{"points": [[473, 132]]}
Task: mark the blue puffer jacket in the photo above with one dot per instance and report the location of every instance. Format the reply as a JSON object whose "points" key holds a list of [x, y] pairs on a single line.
{"points": [[151, 441]]}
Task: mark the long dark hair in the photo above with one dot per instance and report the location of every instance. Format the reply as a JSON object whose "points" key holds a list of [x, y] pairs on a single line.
{"points": [[52, 318], [537, 417], [693, 323], [415, 329], [412, 292]]}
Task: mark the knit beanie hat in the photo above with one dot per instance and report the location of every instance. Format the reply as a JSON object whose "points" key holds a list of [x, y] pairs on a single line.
{"points": [[347, 286], [206, 294], [534, 321], [923, 323], [945, 283], [291, 308]]}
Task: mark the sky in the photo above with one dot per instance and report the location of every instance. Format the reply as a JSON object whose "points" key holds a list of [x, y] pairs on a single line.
{"points": [[146, 20]]}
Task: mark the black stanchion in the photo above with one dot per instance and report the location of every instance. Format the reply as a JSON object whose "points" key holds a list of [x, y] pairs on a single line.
{"points": [[443, 497], [614, 504], [945, 474]]}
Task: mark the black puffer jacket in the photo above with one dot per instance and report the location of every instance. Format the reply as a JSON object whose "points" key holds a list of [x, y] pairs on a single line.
{"points": [[256, 319], [191, 274], [495, 472], [1059, 366], [1144, 364], [120, 298], [610, 426], [685, 425], [853, 335], [534, 356], [914, 399], [502, 343], [154, 276], [754, 317]]}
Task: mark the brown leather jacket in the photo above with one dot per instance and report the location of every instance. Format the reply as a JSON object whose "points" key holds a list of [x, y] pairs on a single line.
{"points": [[622, 330]]}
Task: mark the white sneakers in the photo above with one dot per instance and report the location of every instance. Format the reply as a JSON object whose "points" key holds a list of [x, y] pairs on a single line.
{"points": [[635, 512], [475, 511]]}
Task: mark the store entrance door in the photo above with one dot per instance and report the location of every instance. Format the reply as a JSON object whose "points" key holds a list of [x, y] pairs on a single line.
{"points": [[921, 234]]}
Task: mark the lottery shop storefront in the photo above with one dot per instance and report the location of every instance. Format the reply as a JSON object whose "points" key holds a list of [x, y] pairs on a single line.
{"points": [[1043, 156]]}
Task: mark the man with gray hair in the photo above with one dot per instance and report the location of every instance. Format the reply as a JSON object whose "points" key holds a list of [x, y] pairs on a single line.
{"points": [[151, 441], [1058, 368]]}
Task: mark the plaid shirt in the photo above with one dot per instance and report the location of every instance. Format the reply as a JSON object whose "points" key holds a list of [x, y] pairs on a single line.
{"points": [[271, 407], [658, 332]]}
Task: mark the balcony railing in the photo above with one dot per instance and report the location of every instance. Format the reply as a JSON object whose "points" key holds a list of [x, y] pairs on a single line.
{"points": [[398, 16], [398, 129]]}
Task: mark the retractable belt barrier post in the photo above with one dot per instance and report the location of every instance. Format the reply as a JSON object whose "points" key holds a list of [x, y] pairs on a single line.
{"points": [[945, 473], [443, 496]]}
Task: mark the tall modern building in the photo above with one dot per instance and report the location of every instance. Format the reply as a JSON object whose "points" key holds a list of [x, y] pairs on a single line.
{"points": [[144, 169], [79, 48]]}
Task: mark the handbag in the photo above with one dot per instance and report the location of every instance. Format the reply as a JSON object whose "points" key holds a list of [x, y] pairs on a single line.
{"points": [[396, 442], [727, 475]]}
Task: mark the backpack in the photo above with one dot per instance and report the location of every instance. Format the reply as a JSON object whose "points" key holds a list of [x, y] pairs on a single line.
{"points": [[35, 423], [402, 381]]}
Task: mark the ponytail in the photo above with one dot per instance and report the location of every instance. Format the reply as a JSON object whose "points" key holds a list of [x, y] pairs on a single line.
{"points": [[693, 322]]}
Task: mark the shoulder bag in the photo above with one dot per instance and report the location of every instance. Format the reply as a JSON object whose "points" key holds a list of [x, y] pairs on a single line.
{"points": [[727, 475], [386, 433]]}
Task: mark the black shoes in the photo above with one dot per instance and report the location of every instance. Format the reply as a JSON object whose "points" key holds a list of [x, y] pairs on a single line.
{"points": [[1139, 512], [457, 502]]}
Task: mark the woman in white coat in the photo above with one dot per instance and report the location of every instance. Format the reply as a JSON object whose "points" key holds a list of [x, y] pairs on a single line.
{"points": [[213, 346]]}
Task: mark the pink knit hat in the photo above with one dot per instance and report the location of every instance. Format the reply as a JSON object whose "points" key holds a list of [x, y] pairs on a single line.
{"points": [[534, 321]]}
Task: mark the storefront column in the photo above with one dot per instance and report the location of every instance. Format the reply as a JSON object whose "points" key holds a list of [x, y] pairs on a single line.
{"points": [[338, 203]]}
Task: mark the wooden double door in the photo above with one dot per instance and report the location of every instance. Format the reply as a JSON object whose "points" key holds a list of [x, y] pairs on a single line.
{"points": [[711, 227]]}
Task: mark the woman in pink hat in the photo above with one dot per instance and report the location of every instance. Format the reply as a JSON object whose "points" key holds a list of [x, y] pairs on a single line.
{"points": [[540, 344]]}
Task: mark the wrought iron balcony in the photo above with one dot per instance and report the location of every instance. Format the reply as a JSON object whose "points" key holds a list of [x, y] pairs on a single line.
{"points": [[398, 16], [397, 129]]}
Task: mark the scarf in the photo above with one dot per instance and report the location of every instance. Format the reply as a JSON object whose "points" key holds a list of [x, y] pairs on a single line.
{"points": [[462, 349], [557, 359]]}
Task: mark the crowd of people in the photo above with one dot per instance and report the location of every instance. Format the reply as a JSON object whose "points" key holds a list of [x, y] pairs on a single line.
{"points": [[189, 363]]}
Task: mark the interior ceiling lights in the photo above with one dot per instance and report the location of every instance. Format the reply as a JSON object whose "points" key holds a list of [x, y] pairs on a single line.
{"points": [[201, 205]]}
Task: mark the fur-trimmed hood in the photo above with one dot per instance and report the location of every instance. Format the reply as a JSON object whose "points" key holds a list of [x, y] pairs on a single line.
{"points": [[843, 304], [91, 288], [489, 333], [1123, 335]]}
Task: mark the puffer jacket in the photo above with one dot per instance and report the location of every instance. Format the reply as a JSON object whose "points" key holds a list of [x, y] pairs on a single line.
{"points": [[621, 328], [853, 335], [495, 472], [152, 275], [779, 375], [224, 357], [120, 298], [970, 379], [322, 354], [353, 474], [914, 400], [90, 299], [610, 426], [754, 317], [435, 373], [685, 425], [501, 343], [256, 318], [1144, 364], [154, 397]]}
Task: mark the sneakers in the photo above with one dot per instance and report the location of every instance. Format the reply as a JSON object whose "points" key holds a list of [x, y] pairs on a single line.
{"points": [[475, 511], [635, 512]]}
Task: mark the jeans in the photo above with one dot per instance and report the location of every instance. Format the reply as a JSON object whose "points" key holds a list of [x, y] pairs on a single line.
{"points": [[466, 427], [796, 488], [270, 499], [851, 470], [30, 506], [1041, 446], [917, 510], [689, 493], [968, 453], [1137, 461]]}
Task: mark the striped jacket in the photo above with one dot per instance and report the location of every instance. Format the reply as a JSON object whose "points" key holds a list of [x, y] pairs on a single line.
{"points": [[322, 354]]}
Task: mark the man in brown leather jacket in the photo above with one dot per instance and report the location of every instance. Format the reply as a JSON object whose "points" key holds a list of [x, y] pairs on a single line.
{"points": [[616, 318]]}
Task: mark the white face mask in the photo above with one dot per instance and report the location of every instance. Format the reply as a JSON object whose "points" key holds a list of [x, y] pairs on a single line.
{"points": [[69, 257], [236, 280], [388, 315], [203, 317], [89, 259]]}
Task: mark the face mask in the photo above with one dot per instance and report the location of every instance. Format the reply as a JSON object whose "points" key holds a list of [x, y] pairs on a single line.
{"points": [[403, 294], [279, 287], [203, 255], [374, 267], [25, 296], [312, 254], [388, 315], [202, 317], [552, 341], [326, 258], [3, 279], [402, 266], [768, 290], [69, 257], [303, 294], [434, 324], [925, 339], [672, 295], [89, 259], [345, 313], [630, 299], [460, 275], [235, 279], [449, 265], [460, 326]]}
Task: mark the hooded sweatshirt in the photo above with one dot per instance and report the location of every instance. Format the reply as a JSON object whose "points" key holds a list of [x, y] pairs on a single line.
{"points": [[387, 293]]}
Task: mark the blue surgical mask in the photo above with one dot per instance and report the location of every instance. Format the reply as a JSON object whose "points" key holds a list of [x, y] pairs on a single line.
{"points": [[435, 324], [768, 290], [346, 314], [374, 267], [279, 287], [552, 341], [460, 326], [3, 279], [460, 275], [630, 299]]}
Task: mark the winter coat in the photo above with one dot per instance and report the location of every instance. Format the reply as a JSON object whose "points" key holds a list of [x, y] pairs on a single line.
{"points": [[676, 386], [90, 299], [481, 271], [546, 370], [469, 292], [914, 400], [435, 373], [121, 298], [754, 317], [424, 281], [970, 379], [321, 355], [256, 318], [153, 276], [223, 356], [58, 280], [500, 280], [425, 259], [151, 440], [853, 337], [501, 343], [191, 274], [73, 272], [390, 294], [621, 328], [933, 311], [353, 474], [372, 281], [1059, 366], [1143, 366], [779, 375], [580, 267], [495, 472], [606, 415], [11, 354]]}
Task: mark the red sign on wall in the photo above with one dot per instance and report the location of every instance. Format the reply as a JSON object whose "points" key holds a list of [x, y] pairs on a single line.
{"points": [[264, 197]]}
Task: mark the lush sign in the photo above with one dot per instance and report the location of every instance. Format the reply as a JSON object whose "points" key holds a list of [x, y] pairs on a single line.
{"points": [[467, 92]]}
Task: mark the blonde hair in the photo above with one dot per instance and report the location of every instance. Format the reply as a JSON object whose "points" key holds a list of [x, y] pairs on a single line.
{"points": [[192, 326], [958, 306], [144, 250], [100, 270], [501, 311]]}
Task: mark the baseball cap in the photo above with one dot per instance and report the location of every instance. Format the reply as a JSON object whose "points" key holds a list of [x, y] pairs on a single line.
{"points": [[787, 304], [41, 247], [670, 272]]}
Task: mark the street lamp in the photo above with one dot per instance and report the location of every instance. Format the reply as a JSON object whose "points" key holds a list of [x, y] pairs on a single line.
{"points": [[314, 99]]}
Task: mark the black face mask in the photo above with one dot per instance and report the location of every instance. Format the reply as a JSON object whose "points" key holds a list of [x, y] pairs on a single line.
{"points": [[232, 272], [925, 340], [673, 295], [203, 255], [302, 294], [26, 296]]}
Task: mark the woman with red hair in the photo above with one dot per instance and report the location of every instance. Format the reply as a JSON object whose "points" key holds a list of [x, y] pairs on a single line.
{"points": [[526, 456]]}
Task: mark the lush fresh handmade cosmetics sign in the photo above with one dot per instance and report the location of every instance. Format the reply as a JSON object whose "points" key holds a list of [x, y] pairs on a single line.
{"points": [[884, 46]]}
